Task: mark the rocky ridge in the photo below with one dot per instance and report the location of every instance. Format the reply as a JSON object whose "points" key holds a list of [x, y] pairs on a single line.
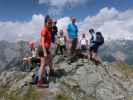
{"points": [[82, 80]]}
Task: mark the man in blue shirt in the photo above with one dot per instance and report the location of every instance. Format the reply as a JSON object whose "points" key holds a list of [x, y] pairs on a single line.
{"points": [[72, 30]]}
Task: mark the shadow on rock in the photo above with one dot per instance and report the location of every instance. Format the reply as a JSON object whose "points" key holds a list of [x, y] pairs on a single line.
{"points": [[60, 73]]}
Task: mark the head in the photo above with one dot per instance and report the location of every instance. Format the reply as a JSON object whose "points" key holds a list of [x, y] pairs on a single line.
{"points": [[54, 23], [61, 32], [73, 19], [32, 45], [48, 21], [91, 31], [83, 36], [98, 33]]}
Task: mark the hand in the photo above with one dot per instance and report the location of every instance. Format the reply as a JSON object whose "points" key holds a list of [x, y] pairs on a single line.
{"points": [[45, 54], [44, 51]]}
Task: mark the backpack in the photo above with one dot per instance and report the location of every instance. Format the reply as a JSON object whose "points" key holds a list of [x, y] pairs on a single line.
{"points": [[99, 38]]}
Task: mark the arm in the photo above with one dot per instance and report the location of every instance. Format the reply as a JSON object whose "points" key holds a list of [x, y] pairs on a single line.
{"points": [[87, 44], [77, 29], [80, 41], [68, 30], [65, 39]]}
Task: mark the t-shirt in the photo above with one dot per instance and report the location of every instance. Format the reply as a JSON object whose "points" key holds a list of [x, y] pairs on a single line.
{"points": [[83, 41], [62, 41], [94, 36], [72, 31], [34, 54], [46, 33], [93, 39], [57, 39]]}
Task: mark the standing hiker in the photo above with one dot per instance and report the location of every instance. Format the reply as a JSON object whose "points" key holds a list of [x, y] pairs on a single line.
{"points": [[61, 43], [72, 30], [54, 31], [44, 50], [84, 43], [95, 42]]}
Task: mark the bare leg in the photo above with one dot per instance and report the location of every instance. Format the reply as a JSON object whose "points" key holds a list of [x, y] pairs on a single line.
{"points": [[69, 44], [90, 56], [98, 60], [42, 68]]}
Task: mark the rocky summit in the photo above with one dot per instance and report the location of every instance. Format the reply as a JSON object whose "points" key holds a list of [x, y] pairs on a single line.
{"points": [[80, 80]]}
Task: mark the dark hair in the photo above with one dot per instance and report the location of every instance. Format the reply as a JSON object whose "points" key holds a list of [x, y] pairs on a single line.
{"points": [[98, 33], [46, 19], [91, 30]]}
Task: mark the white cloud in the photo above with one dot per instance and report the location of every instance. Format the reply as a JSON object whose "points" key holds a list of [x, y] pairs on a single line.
{"points": [[111, 22], [13, 31], [56, 7], [63, 22]]}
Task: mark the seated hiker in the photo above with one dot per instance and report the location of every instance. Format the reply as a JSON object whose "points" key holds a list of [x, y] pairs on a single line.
{"points": [[44, 51], [96, 41], [32, 60], [83, 43]]}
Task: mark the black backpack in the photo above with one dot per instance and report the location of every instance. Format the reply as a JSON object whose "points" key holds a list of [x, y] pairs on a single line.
{"points": [[99, 38]]}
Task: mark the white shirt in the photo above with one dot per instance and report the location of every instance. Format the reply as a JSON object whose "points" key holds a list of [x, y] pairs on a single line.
{"points": [[94, 36], [62, 41], [34, 53], [83, 41]]}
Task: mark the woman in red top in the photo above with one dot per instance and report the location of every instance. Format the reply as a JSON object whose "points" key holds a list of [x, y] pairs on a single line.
{"points": [[45, 43]]}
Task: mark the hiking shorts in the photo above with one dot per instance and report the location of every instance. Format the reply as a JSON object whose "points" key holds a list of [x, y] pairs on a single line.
{"points": [[35, 60], [74, 45], [94, 48], [83, 48], [62, 46], [40, 51]]}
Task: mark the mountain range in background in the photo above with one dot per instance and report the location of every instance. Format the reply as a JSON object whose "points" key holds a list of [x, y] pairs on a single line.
{"points": [[118, 50], [11, 54]]}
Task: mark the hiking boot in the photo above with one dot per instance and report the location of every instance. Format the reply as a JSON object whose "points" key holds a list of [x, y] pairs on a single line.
{"points": [[97, 62], [40, 83], [92, 59]]}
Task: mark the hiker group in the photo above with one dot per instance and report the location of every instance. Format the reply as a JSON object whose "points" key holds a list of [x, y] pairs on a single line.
{"points": [[62, 44]]}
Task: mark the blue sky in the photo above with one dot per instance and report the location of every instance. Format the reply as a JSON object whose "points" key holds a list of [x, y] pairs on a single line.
{"points": [[23, 19], [22, 10]]}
